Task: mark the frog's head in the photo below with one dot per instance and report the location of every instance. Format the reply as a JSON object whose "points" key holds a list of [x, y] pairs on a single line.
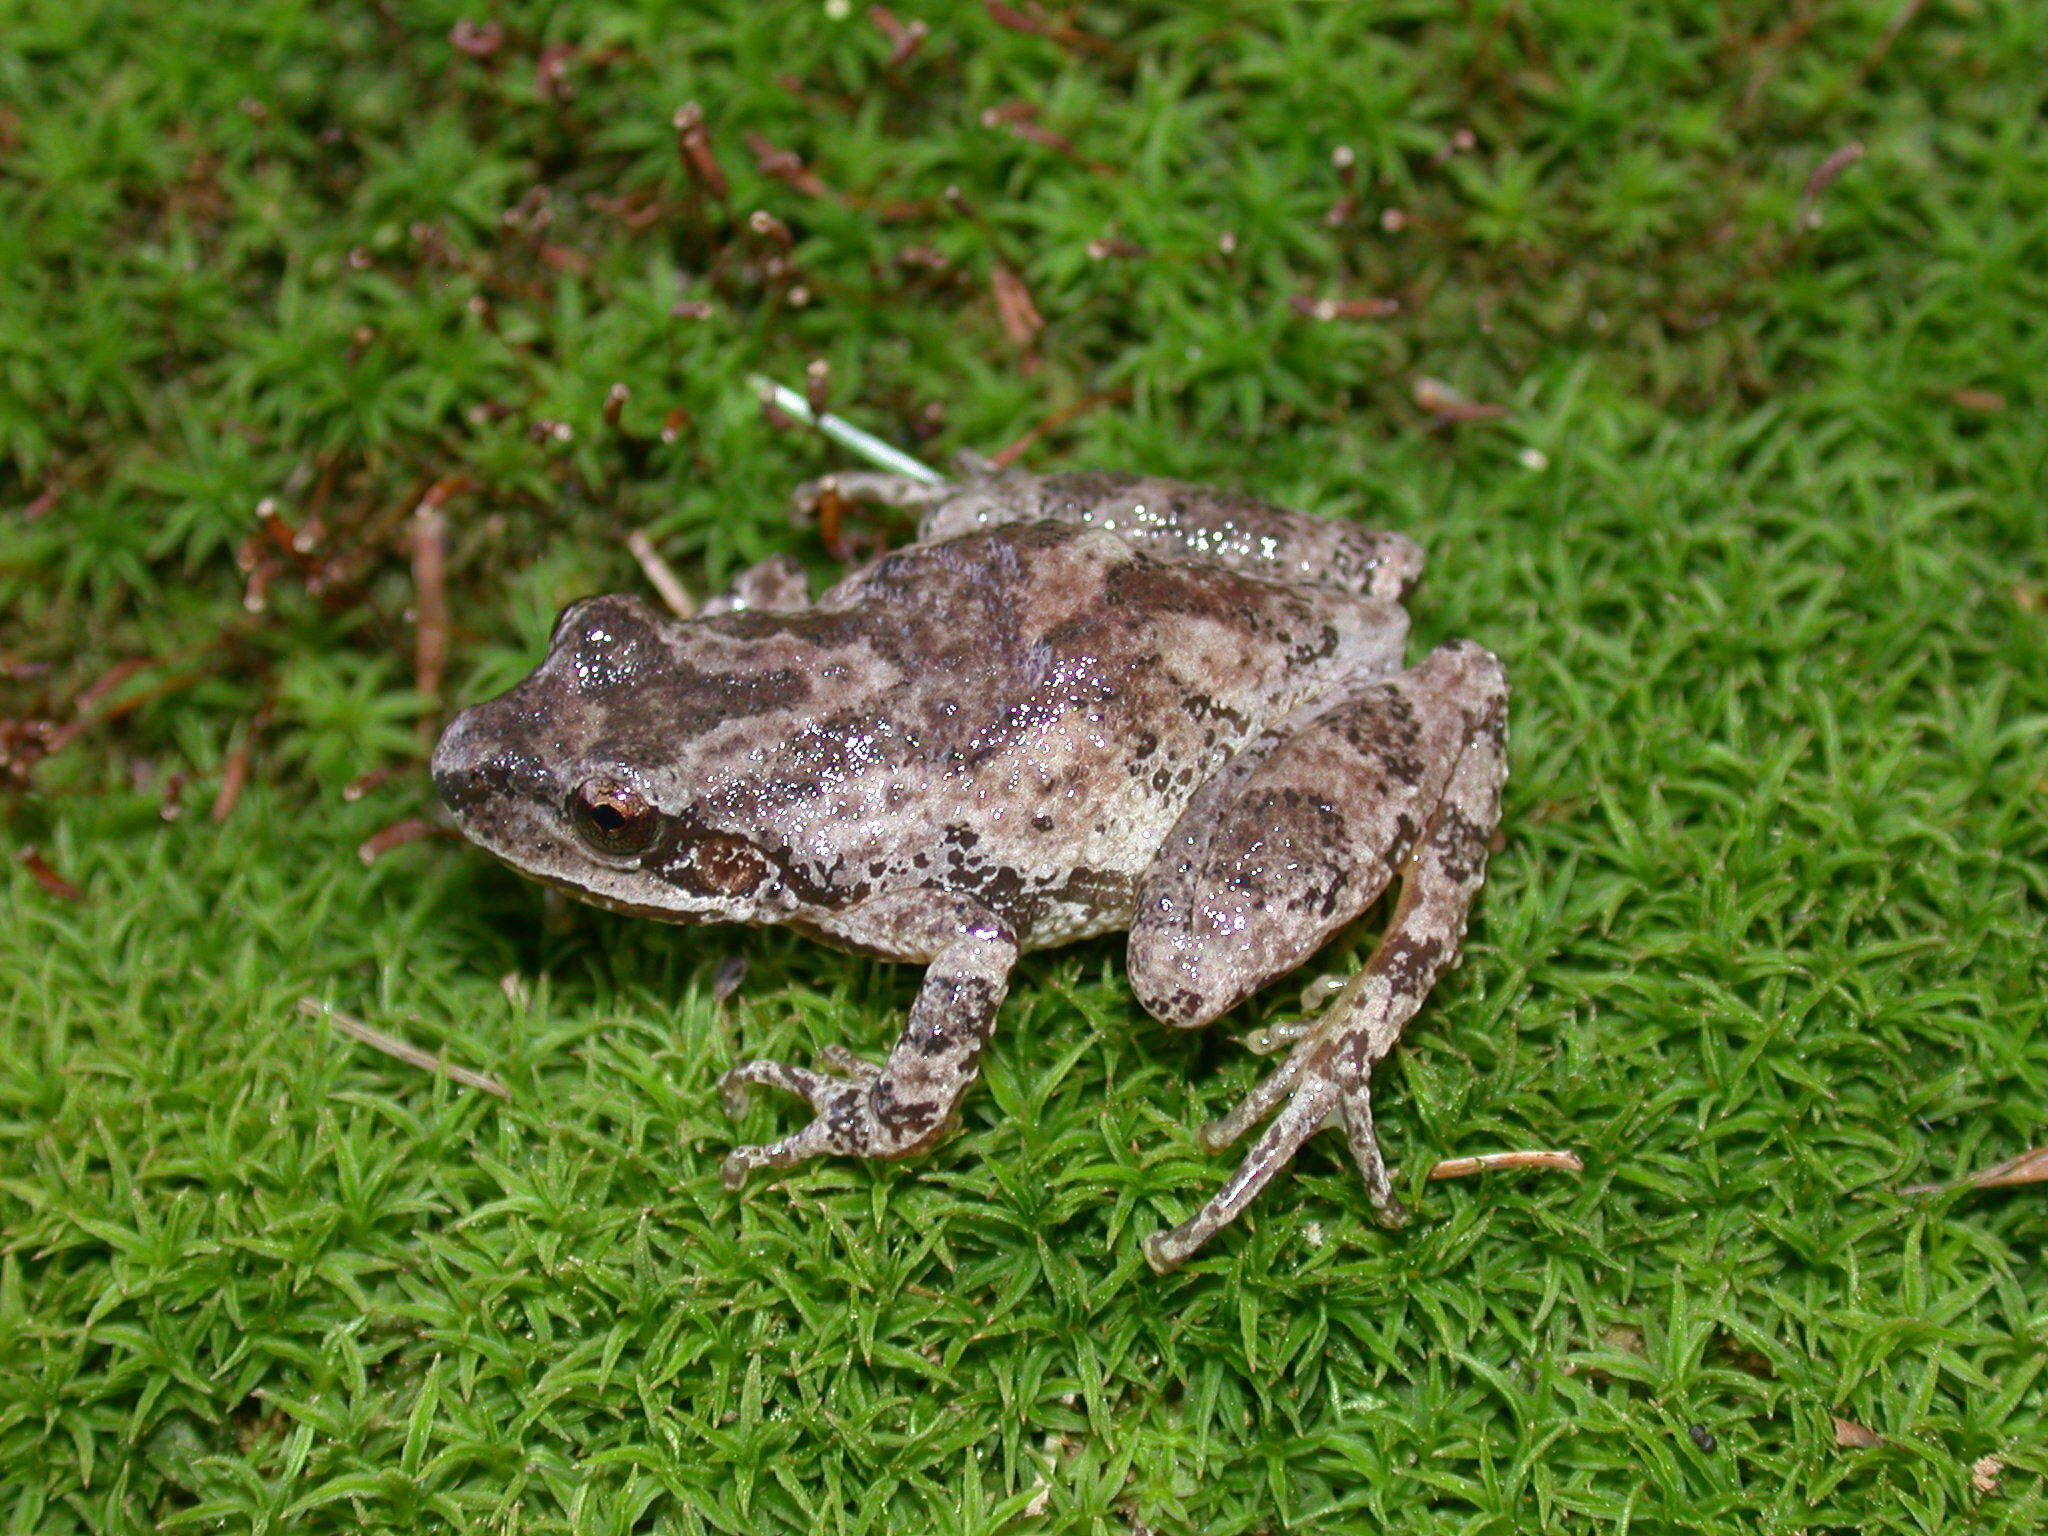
{"points": [[594, 773]]}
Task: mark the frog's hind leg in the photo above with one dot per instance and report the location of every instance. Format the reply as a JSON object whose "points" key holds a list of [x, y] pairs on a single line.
{"points": [[1170, 520], [1270, 870], [776, 585], [873, 487]]}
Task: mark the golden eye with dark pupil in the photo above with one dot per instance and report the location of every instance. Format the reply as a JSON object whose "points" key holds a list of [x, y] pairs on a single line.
{"points": [[613, 818]]}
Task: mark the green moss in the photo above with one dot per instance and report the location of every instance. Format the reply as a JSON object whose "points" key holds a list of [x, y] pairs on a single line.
{"points": [[1761, 537]]}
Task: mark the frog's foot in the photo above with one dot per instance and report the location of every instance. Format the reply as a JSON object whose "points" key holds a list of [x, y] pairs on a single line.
{"points": [[777, 585], [1278, 1037], [1325, 1081], [857, 1114], [840, 1059]]}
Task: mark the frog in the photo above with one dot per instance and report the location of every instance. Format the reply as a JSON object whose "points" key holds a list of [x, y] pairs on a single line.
{"points": [[1074, 705]]}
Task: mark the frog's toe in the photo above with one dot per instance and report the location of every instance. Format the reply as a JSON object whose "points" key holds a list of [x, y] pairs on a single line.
{"points": [[840, 1059], [862, 1114], [1259, 1103], [770, 1074], [1280, 1037], [1317, 1085], [812, 1141], [1311, 1098], [1354, 1109]]}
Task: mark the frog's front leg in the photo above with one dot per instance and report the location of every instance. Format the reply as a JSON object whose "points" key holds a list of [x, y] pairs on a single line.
{"points": [[904, 1104], [1293, 840]]}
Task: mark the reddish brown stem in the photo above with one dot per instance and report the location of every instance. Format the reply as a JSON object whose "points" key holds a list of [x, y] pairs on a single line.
{"points": [[397, 835], [39, 870]]}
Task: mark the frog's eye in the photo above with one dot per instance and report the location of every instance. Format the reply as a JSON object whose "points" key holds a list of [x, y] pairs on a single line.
{"points": [[613, 817], [720, 865]]}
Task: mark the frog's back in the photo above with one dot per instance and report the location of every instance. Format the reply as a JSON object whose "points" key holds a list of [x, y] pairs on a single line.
{"points": [[1008, 599], [1058, 697]]}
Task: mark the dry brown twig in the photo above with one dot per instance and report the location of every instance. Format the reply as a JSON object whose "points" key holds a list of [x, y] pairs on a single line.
{"points": [[1449, 403], [1823, 177], [1310, 307], [1856, 1437], [905, 38], [1003, 458], [693, 147], [1020, 317], [430, 605], [2027, 1168], [397, 835], [1035, 23], [40, 871], [234, 773], [375, 779], [478, 39], [785, 165], [1489, 1162], [1021, 118]]}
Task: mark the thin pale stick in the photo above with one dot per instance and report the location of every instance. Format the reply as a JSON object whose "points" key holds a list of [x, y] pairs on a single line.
{"points": [[843, 432], [660, 576], [392, 1046], [2027, 1168]]}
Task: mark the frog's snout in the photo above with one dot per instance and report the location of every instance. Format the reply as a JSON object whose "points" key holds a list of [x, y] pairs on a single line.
{"points": [[488, 768], [459, 763]]}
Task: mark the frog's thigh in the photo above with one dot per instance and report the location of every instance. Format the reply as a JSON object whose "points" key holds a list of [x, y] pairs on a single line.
{"points": [[1301, 833]]}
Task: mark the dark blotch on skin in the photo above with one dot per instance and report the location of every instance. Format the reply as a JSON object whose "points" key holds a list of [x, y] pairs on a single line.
{"points": [[1461, 844], [1410, 962], [722, 866]]}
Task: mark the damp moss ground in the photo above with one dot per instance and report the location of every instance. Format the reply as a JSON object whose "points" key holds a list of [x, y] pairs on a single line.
{"points": [[1758, 526]]}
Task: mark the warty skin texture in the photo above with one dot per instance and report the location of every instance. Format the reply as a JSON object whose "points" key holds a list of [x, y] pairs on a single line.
{"points": [[1075, 705]]}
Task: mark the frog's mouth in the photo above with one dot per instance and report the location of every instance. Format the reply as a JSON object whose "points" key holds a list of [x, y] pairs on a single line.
{"points": [[618, 904]]}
